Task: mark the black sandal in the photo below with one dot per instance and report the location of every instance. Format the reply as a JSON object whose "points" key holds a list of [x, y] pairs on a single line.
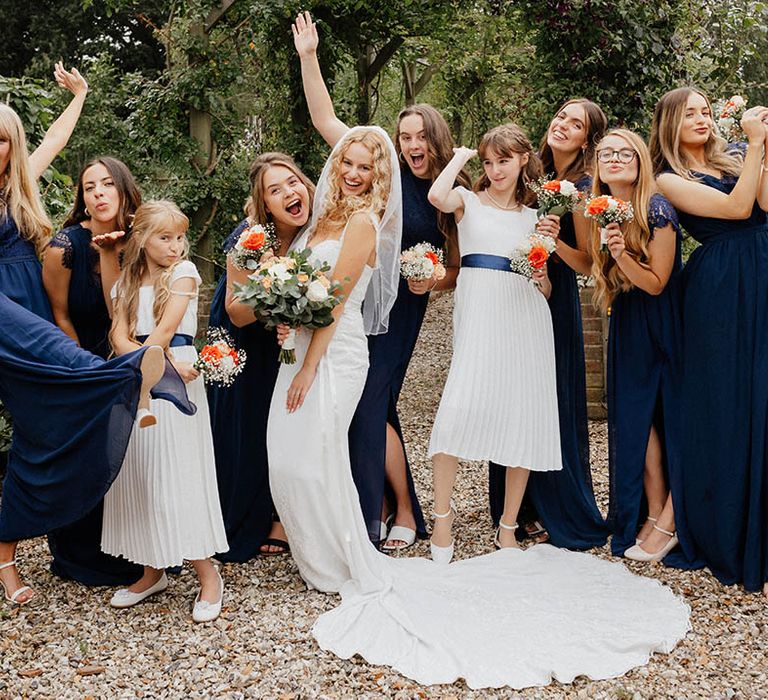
{"points": [[274, 542]]}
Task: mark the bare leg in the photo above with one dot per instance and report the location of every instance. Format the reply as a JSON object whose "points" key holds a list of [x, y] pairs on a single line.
{"points": [[396, 476], [210, 588], [152, 368], [666, 521], [444, 468], [148, 579], [765, 589], [10, 575], [656, 492], [514, 490]]}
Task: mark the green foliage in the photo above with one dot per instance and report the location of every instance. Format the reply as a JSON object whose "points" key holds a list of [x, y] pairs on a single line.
{"points": [[5, 430]]}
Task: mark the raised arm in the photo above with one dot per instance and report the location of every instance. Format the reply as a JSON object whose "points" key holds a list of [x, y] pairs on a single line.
{"points": [[762, 191], [357, 250], [701, 200], [59, 132], [324, 118], [442, 194]]}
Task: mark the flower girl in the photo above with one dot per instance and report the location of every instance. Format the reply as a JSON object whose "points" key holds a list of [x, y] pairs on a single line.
{"points": [[500, 400], [164, 505]]}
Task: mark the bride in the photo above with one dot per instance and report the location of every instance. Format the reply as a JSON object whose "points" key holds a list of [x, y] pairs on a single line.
{"points": [[513, 617]]}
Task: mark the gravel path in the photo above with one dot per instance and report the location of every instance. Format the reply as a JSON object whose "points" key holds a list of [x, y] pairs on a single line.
{"points": [[73, 645]]}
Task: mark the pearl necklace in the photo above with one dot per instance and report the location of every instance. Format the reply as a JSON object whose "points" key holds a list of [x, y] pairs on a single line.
{"points": [[500, 206]]}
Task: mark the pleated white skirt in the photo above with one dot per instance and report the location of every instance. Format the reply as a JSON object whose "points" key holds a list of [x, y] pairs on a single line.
{"points": [[500, 398], [164, 506]]}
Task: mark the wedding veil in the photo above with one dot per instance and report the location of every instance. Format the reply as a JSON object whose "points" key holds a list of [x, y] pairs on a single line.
{"points": [[382, 290]]}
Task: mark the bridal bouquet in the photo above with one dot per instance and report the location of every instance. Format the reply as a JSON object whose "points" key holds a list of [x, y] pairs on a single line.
{"points": [[292, 291], [532, 255], [251, 245], [728, 118], [605, 210], [556, 197], [421, 262], [219, 361]]}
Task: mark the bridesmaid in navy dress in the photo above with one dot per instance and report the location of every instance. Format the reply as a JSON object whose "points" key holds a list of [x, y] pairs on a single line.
{"points": [[560, 506], [377, 454], [721, 196], [106, 199], [282, 195], [639, 280]]}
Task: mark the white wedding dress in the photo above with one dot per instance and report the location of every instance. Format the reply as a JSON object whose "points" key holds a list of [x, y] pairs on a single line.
{"points": [[512, 618]]}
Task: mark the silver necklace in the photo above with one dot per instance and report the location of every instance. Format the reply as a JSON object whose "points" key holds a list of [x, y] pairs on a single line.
{"points": [[500, 206]]}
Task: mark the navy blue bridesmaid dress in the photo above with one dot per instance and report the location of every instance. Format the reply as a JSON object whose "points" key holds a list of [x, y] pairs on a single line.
{"points": [[563, 501], [72, 416], [76, 548], [724, 504], [644, 379], [239, 424], [20, 270], [389, 355]]}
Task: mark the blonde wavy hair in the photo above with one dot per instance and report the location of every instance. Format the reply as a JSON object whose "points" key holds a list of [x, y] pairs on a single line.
{"points": [[151, 218], [609, 279], [338, 207], [507, 140], [19, 194], [664, 142], [254, 208]]}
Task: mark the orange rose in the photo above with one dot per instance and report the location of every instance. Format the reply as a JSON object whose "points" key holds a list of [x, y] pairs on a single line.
{"points": [[302, 278], [538, 257], [551, 186], [266, 282], [429, 255], [253, 241], [597, 205], [210, 353]]}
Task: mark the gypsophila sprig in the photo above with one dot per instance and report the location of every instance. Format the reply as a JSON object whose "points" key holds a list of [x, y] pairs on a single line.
{"points": [[556, 197], [421, 262], [290, 290], [219, 361], [252, 244], [604, 210], [532, 255], [728, 114]]}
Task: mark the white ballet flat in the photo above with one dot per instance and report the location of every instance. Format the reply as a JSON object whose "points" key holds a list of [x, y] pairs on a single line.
{"points": [[501, 527], [637, 553], [125, 598], [203, 611], [650, 520], [402, 534], [145, 418], [442, 555]]}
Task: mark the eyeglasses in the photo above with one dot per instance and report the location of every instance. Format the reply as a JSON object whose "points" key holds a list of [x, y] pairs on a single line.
{"points": [[625, 155]]}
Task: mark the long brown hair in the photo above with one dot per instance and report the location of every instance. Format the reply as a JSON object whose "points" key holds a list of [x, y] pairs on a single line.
{"points": [[507, 140], [19, 194], [596, 124], [151, 218], [440, 145], [667, 124], [338, 207], [254, 208], [609, 279], [130, 197]]}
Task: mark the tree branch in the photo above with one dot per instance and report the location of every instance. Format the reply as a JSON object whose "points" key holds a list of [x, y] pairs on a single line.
{"points": [[217, 14], [387, 51]]}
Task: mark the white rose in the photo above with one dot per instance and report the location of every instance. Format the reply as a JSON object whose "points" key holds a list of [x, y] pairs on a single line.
{"points": [[279, 271], [316, 291], [567, 188], [227, 362], [738, 101]]}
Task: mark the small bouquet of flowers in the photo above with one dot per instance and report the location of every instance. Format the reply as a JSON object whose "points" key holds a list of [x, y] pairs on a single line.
{"points": [[251, 245], [728, 114], [219, 361], [292, 291], [532, 255], [421, 262], [556, 197], [605, 210]]}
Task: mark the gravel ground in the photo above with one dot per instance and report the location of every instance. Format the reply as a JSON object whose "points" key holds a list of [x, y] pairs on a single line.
{"points": [[72, 645]]}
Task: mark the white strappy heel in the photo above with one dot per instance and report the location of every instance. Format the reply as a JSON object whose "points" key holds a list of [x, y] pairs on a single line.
{"points": [[503, 526], [442, 555], [13, 598]]}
